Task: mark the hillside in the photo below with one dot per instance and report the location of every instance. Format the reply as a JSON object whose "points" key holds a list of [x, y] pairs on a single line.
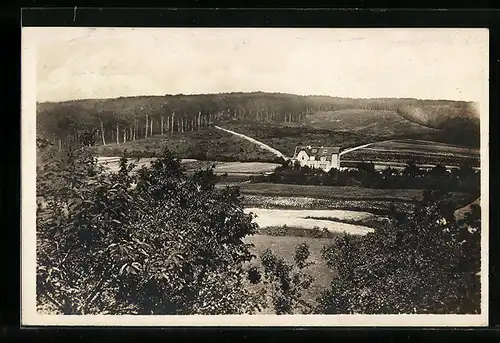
{"points": [[131, 118], [208, 144], [363, 121]]}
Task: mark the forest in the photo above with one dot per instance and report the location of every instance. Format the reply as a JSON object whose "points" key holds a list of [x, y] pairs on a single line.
{"points": [[130, 118]]}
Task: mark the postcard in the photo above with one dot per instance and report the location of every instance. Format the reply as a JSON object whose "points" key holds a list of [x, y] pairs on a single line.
{"points": [[254, 176]]}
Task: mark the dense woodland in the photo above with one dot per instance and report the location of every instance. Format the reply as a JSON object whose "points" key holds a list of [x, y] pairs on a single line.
{"points": [[131, 118]]}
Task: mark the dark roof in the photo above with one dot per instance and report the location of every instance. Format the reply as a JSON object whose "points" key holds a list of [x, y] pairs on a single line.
{"points": [[317, 151]]}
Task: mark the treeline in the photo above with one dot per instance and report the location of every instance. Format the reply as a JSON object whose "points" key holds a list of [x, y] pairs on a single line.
{"points": [[130, 118], [465, 179]]}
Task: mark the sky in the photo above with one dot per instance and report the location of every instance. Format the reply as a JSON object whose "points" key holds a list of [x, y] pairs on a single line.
{"points": [[79, 63]]}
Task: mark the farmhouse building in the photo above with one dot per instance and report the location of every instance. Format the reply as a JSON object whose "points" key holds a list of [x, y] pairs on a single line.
{"points": [[325, 158]]}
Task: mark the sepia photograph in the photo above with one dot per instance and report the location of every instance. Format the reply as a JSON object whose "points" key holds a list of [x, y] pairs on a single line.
{"points": [[254, 176]]}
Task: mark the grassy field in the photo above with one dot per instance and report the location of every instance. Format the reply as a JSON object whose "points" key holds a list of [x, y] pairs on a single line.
{"points": [[423, 152], [207, 144], [332, 192], [284, 246], [295, 202]]}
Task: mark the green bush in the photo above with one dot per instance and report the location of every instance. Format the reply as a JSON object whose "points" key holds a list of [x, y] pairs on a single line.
{"points": [[156, 243]]}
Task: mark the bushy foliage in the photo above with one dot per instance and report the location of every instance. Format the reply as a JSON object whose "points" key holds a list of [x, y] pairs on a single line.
{"points": [[424, 262], [158, 242]]}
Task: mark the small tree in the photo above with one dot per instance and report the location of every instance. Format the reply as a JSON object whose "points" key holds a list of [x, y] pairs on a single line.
{"points": [[286, 281]]}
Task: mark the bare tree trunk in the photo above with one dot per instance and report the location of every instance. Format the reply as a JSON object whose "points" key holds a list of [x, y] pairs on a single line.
{"points": [[182, 124], [161, 126], [117, 134], [151, 126], [124, 135], [173, 122], [130, 134], [146, 129], [135, 129], [102, 133], [199, 120]]}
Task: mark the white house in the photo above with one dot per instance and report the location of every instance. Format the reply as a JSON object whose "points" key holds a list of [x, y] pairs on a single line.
{"points": [[325, 158]]}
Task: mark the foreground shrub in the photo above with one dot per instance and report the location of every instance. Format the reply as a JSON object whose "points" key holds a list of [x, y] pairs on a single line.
{"points": [[156, 243]]}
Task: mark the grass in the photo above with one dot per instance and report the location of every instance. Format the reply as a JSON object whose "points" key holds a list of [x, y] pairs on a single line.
{"points": [[332, 192]]}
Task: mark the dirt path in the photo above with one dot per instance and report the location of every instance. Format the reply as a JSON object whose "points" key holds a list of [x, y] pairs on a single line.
{"points": [[356, 148]]}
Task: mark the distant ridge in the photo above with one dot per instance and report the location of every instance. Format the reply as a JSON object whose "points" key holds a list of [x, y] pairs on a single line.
{"points": [[377, 116], [255, 93]]}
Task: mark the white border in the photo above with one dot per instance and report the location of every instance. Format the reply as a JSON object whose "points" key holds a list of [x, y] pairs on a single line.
{"points": [[30, 317]]}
